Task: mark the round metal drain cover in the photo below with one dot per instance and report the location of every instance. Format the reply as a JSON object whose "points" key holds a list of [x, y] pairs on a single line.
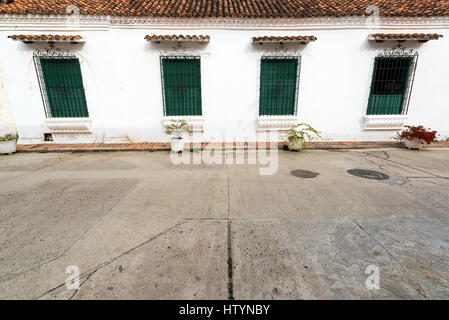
{"points": [[369, 174], [304, 174]]}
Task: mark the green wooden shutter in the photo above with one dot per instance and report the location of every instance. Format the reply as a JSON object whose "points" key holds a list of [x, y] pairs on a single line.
{"points": [[64, 88], [182, 86], [389, 85], [278, 82]]}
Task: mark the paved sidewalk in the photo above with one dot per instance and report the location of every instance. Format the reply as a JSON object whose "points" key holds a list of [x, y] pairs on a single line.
{"points": [[140, 227]]}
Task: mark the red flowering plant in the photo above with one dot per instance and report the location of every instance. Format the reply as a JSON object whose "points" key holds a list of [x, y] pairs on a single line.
{"points": [[417, 132]]}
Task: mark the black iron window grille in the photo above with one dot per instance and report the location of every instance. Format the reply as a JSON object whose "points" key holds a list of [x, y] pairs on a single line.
{"points": [[392, 82], [61, 84], [279, 83], [181, 85]]}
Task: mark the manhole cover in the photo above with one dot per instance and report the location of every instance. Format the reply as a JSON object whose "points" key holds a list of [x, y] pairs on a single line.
{"points": [[369, 174], [304, 173]]}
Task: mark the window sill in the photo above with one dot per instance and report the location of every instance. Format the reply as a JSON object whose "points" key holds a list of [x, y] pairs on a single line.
{"points": [[195, 122], [278, 123], [69, 125], [384, 122]]}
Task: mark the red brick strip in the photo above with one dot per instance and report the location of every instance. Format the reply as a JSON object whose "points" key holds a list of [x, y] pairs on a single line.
{"points": [[163, 146]]}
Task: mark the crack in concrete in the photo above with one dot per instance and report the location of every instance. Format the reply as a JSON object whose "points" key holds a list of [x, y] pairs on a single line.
{"points": [[229, 240], [230, 265], [35, 267], [371, 161], [437, 184], [375, 240], [208, 219], [102, 217], [419, 289], [57, 198], [408, 166], [360, 155], [91, 272], [85, 277], [387, 158], [58, 160], [414, 177], [79, 288]]}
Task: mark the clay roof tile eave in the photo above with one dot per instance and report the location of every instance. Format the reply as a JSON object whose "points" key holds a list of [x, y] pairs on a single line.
{"points": [[248, 9]]}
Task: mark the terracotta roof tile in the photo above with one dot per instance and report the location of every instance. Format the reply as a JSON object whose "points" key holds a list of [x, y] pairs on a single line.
{"points": [[302, 39], [46, 37], [180, 37], [404, 36], [231, 8]]}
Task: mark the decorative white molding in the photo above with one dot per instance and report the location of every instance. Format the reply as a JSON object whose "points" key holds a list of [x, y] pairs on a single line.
{"points": [[195, 122], [180, 50], [278, 123], [384, 122], [60, 22], [398, 51], [360, 21], [69, 125], [53, 22], [282, 52]]}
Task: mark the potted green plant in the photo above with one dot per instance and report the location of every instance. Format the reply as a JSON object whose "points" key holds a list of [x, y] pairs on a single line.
{"points": [[414, 137], [8, 143], [297, 135], [177, 129]]}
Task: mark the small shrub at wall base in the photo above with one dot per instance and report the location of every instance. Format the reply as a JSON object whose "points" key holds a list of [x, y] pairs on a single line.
{"points": [[9, 137], [177, 128], [298, 134], [415, 136], [8, 144]]}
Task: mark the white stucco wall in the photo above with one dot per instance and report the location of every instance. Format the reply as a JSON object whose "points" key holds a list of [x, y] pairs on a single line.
{"points": [[6, 116], [121, 73]]}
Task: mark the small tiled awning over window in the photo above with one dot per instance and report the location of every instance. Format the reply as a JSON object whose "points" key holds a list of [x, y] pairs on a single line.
{"points": [[30, 38], [178, 38], [400, 37], [284, 39]]}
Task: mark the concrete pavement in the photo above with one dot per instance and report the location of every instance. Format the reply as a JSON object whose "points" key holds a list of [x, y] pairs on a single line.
{"points": [[141, 227]]}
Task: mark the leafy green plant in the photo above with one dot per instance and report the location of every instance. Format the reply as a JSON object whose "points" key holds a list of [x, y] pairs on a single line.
{"points": [[301, 132], [177, 128], [8, 137]]}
